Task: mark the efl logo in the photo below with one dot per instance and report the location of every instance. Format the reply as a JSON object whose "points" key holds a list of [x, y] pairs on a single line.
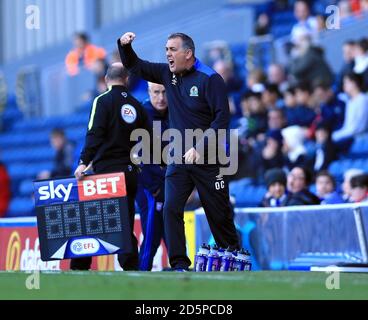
{"points": [[48, 192], [102, 187], [84, 246]]}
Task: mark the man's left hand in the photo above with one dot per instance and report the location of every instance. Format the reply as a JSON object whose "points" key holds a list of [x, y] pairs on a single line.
{"points": [[191, 156]]}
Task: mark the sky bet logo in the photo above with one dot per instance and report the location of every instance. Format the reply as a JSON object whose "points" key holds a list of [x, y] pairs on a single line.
{"points": [[89, 188], [52, 192]]}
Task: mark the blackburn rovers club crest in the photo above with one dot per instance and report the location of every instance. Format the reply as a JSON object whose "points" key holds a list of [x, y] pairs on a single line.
{"points": [[128, 113], [194, 91]]}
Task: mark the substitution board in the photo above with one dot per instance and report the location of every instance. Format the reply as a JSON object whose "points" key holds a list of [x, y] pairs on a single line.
{"points": [[81, 218]]}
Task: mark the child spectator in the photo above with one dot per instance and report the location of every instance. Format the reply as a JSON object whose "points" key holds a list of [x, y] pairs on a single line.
{"points": [[326, 189], [359, 188], [346, 185], [276, 188]]}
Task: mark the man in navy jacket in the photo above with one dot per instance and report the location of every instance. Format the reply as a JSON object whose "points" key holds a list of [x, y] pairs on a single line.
{"points": [[151, 183], [197, 100]]}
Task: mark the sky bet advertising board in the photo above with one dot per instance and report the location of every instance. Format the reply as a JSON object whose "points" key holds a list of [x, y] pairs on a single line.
{"points": [[82, 218]]}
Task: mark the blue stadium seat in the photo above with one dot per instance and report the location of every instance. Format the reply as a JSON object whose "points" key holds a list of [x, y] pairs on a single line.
{"points": [[360, 146], [21, 207], [26, 188], [246, 194]]}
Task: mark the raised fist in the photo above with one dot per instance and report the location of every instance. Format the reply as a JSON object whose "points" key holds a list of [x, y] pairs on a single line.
{"points": [[127, 38]]}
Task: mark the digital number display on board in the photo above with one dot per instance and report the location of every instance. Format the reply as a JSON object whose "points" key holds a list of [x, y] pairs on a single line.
{"points": [[82, 218]]}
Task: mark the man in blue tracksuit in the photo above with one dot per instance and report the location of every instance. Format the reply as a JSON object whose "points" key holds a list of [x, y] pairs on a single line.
{"points": [[197, 99], [151, 183]]}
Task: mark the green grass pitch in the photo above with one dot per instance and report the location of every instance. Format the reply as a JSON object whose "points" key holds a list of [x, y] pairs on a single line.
{"points": [[189, 285]]}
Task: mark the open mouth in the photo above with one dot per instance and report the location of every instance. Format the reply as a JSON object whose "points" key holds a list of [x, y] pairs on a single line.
{"points": [[171, 62]]}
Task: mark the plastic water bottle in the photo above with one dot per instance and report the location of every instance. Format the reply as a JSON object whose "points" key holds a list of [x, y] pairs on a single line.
{"points": [[227, 261], [200, 260], [248, 261], [214, 260], [239, 263], [221, 252]]}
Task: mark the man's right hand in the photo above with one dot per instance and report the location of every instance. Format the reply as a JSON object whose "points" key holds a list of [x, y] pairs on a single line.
{"points": [[82, 168], [127, 38]]}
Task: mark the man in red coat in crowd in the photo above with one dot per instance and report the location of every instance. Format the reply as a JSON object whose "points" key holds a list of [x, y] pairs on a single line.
{"points": [[4, 190]]}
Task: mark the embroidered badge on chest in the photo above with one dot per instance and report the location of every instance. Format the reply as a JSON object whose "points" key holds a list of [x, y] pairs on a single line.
{"points": [[128, 113], [194, 91]]}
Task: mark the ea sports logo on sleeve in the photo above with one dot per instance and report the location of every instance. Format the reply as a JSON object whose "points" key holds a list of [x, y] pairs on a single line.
{"points": [[128, 113]]}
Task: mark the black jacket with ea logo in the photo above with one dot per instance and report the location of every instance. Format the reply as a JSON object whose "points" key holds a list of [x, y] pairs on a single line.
{"points": [[114, 115]]}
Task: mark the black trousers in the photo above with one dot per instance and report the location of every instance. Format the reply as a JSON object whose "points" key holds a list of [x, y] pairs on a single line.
{"points": [[214, 195], [126, 261]]}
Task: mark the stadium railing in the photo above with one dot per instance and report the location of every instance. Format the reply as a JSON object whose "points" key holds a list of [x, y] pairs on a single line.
{"points": [[298, 237]]}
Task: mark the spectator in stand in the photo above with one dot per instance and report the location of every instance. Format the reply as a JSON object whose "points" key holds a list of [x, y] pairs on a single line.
{"points": [[308, 63], [84, 54], [254, 121], [262, 26], [271, 154], [271, 96], [217, 50], [276, 195], [64, 156], [326, 188], [359, 188], [361, 60], [233, 84], [226, 70], [289, 99], [321, 24], [4, 190], [276, 119], [356, 113], [329, 108], [307, 24], [346, 185], [325, 152], [276, 75], [364, 7], [256, 80], [302, 113], [251, 131], [293, 148], [298, 181], [348, 53]]}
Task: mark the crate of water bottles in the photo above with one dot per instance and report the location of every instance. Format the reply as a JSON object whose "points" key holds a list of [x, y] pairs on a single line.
{"points": [[212, 259]]}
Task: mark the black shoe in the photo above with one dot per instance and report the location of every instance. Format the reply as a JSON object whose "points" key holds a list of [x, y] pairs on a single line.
{"points": [[177, 269]]}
